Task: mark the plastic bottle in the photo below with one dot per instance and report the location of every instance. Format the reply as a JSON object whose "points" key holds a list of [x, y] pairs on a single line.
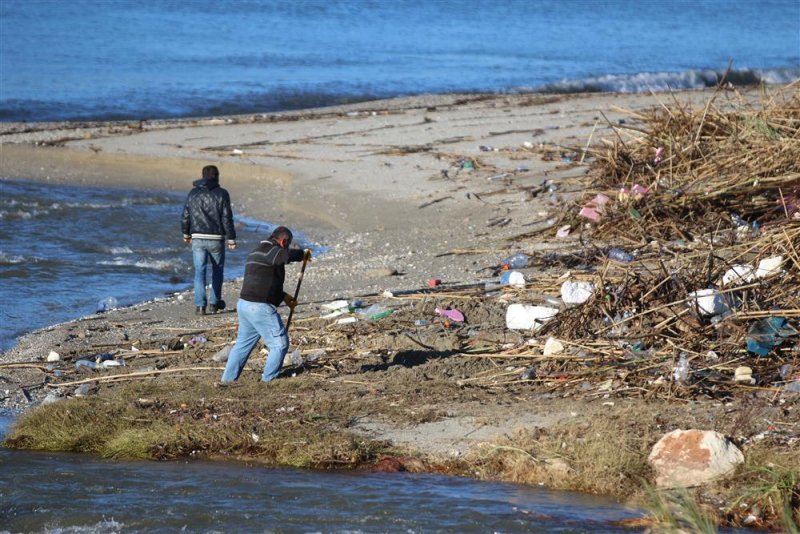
{"points": [[681, 371], [517, 261], [617, 254]]}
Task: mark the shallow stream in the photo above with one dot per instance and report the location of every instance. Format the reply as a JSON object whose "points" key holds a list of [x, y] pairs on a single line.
{"points": [[60, 493]]}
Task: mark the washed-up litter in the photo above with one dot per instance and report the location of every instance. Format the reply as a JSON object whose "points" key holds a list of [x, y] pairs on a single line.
{"points": [[451, 314], [708, 301], [513, 279], [515, 261], [53, 356], [765, 334], [576, 292], [528, 317], [347, 320]]}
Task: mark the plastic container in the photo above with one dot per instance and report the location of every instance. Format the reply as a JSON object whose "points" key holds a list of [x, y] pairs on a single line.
{"points": [[617, 254], [517, 261]]}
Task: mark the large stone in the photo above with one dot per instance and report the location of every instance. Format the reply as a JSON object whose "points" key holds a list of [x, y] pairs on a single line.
{"points": [[686, 458]]}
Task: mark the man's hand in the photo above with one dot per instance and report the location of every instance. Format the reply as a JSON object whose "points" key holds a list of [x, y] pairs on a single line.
{"points": [[289, 300], [231, 245], [187, 240]]}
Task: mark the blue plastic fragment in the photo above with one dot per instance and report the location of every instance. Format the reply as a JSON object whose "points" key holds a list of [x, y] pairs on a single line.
{"points": [[765, 334]]}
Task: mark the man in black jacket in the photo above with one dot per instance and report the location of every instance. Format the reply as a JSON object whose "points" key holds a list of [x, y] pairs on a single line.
{"points": [[262, 293], [207, 222]]}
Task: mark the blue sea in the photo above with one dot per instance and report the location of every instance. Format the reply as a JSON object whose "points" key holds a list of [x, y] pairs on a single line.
{"points": [[139, 59], [64, 250]]}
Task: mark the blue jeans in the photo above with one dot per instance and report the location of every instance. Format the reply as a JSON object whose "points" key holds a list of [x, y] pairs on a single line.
{"points": [[205, 251], [257, 319]]}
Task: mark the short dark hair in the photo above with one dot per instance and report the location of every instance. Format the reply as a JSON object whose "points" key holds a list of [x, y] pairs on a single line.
{"points": [[210, 172], [281, 232]]}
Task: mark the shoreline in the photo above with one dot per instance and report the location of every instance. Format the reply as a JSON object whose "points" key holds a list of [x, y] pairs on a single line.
{"points": [[389, 191]]}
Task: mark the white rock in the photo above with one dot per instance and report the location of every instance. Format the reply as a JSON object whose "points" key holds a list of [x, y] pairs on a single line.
{"points": [[53, 356], [552, 346], [738, 274], [527, 317], [346, 320], [769, 267], [576, 292], [708, 301], [686, 458]]}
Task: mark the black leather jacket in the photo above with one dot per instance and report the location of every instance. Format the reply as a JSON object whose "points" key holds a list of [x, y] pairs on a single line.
{"points": [[207, 213]]}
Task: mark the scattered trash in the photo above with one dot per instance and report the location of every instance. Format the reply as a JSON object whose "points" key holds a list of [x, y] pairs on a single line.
{"points": [[681, 371], [452, 314], [527, 317], [513, 279], [552, 346], [112, 363], [594, 209], [315, 355], [434, 282], [617, 254], [421, 322], [528, 374], [563, 232], [515, 261], [381, 314], [576, 292], [744, 375], [336, 305], [659, 157], [107, 304], [738, 274], [708, 302], [53, 356], [85, 363], [486, 148], [346, 320], [194, 341], [769, 267], [765, 334]]}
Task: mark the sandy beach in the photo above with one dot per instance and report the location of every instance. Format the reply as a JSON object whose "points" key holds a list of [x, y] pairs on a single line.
{"points": [[395, 193]]}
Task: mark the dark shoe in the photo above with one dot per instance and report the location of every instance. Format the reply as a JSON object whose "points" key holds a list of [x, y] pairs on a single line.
{"points": [[219, 306], [200, 310]]}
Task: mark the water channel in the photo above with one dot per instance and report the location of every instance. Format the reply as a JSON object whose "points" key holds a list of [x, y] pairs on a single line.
{"points": [[71, 493]]}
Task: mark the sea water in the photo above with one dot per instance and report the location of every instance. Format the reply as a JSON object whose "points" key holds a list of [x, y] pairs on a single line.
{"points": [[127, 59], [64, 251]]}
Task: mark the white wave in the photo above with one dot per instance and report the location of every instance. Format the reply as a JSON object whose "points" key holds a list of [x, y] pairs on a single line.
{"points": [[664, 81], [156, 265], [120, 250], [105, 526], [6, 259]]}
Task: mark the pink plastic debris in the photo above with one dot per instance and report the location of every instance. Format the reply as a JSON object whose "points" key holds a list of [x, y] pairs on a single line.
{"points": [[455, 315], [599, 201], [563, 231], [590, 213], [659, 155], [639, 190]]}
